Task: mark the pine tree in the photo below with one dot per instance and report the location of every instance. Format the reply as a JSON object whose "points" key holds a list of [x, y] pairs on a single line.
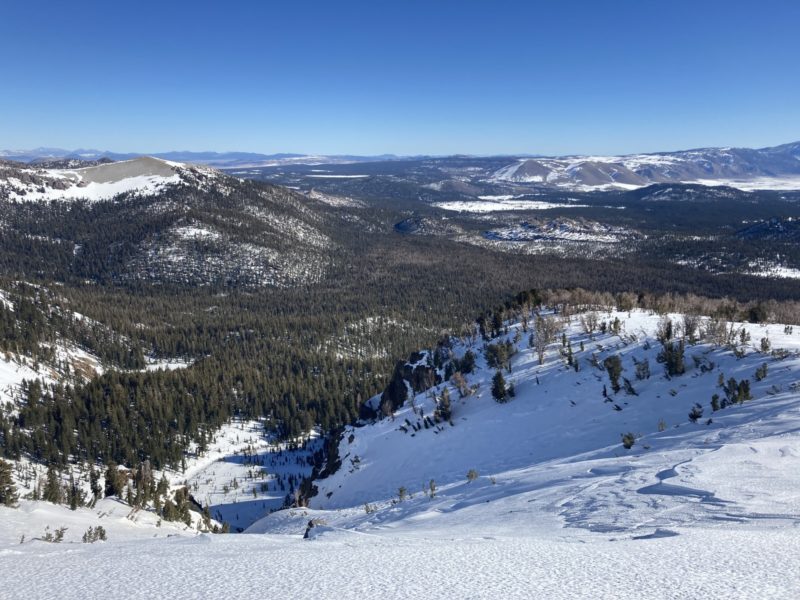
{"points": [[8, 491], [499, 387], [52, 487], [114, 481], [94, 484], [613, 365]]}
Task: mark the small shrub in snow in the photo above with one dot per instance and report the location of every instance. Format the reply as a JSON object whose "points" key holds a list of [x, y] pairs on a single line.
{"points": [[94, 534], [472, 475], [589, 322], [664, 331], [496, 355], [642, 369], [672, 357], [629, 389], [691, 328], [443, 407], [695, 413], [54, 537], [761, 372], [736, 392], [461, 385], [628, 440]]}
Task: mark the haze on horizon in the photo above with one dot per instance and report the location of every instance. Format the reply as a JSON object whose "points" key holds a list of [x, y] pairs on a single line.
{"points": [[408, 79]]}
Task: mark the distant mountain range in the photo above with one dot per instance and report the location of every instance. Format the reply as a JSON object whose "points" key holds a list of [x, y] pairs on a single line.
{"points": [[216, 159], [776, 167]]}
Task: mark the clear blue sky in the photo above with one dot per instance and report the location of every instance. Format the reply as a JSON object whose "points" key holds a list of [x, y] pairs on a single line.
{"points": [[404, 77]]}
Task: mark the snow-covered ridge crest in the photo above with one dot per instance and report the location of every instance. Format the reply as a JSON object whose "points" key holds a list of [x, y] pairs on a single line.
{"points": [[144, 176]]}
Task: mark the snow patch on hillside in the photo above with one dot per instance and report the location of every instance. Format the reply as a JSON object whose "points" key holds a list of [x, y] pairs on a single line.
{"points": [[501, 204], [144, 185], [767, 269], [244, 474], [560, 230], [12, 373], [758, 183]]}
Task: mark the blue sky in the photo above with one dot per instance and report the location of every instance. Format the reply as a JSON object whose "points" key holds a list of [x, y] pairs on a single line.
{"points": [[403, 77]]}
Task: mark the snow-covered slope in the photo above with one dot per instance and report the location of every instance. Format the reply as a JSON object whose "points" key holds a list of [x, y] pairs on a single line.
{"points": [[555, 508], [26, 524], [743, 168], [560, 424], [142, 176]]}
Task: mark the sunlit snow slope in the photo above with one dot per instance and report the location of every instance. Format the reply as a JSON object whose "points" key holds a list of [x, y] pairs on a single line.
{"points": [[556, 508]]}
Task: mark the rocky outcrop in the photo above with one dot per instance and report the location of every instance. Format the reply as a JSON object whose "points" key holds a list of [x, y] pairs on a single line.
{"points": [[415, 375]]}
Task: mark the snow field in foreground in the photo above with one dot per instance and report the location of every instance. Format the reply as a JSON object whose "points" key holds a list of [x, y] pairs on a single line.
{"points": [[697, 564]]}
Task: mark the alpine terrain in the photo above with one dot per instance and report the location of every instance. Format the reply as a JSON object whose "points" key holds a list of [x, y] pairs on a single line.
{"points": [[400, 300]]}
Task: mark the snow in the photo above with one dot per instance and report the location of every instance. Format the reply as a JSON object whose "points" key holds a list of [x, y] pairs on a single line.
{"points": [[146, 185], [16, 368], [12, 374], [318, 176], [774, 270], [120, 521], [476, 206], [499, 197], [244, 474], [144, 176], [336, 201], [563, 171], [444, 565], [758, 183], [496, 438], [167, 364], [190, 232], [560, 230], [5, 301], [559, 509]]}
